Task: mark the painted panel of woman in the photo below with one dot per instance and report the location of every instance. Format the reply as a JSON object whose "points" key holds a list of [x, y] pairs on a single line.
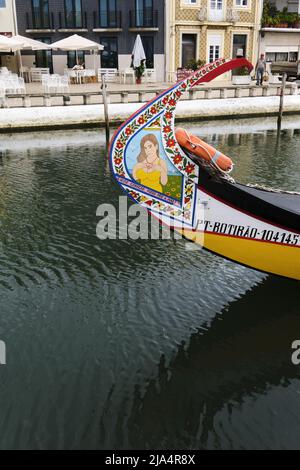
{"points": [[151, 170]]}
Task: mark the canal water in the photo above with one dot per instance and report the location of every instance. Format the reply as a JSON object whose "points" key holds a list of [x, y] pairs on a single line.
{"points": [[122, 344]]}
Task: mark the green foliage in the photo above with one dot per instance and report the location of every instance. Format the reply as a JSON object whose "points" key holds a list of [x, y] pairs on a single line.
{"points": [[241, 71], [195, 64], [139, 71], [272, 17]]}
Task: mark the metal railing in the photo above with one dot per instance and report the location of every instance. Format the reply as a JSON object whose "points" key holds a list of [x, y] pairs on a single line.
{"points": [[230, 15], [107, 19], [73, 20], [146, 18]]}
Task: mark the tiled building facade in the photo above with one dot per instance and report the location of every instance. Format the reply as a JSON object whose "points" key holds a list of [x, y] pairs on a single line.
{"points": [[208, 29], [113, 23]]}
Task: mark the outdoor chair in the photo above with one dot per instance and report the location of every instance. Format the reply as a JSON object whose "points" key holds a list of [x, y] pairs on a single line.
{"points": [[110, 75], [150, 75], [2, 95], [37, 73], [71, 74], [53, 84], [129, 72], [13, 84], [4, 71], [89, 76]]}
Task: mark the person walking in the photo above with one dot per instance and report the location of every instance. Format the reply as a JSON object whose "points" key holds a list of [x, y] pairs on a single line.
{"points": [[260, 69]]}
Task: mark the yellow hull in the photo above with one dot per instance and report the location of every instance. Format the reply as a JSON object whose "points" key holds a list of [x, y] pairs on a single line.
{"points": [[283, 260]]}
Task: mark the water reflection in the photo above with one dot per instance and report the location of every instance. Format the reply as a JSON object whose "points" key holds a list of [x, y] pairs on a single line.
{"points": [[87, 321], [244, 353]]}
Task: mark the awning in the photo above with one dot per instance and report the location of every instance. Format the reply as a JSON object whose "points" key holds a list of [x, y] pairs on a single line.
{"points": [[292, 48]]}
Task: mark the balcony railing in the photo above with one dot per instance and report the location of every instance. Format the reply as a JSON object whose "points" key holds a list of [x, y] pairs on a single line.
{"points": [[146, 18], [107, 19], [72, 20], [230, 15], [37, 21]]}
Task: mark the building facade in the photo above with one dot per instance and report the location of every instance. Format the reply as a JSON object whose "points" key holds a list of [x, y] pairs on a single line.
{"points": [[280, 32], [112, 23], [8, 28], [206, 30]]}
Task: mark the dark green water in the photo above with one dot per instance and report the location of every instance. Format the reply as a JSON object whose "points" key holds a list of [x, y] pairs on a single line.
{"points": [[137, 344]]}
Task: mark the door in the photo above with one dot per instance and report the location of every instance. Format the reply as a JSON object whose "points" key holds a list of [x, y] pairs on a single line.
{"points": [[216, 10], [109, 55], [188, 49], [239, 45], [43, 59], [214, 46], [148, 45]]}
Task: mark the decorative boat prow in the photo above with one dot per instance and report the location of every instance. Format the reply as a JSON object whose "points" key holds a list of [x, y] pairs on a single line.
{"points": [[194, 196]]}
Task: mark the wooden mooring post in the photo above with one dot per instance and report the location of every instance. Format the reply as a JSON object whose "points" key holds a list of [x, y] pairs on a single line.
{"points": [[281, 102], [105, 104]]}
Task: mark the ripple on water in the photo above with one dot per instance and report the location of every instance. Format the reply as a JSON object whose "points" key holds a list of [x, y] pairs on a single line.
{"points": [[106, 336]]}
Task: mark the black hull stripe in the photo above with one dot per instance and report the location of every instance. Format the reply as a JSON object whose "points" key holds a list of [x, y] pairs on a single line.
{"points": [[239, 199]]}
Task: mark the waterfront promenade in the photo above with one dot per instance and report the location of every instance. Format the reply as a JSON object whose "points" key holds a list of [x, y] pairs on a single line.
{"points": [[84, 106], [18, 119]]}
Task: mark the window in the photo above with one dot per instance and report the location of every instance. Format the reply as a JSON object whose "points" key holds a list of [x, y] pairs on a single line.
{"points": [[43, 59], [2, 3], [216, 4], [216, 10], [108, 13], [73, 13], [214, 46], [278, 56], [214, 53], [144, 13], [188, 49], [293, 56], [241, 3], [109, 55], [148, 44], [190, 2], [40, 14], [75, 59]]}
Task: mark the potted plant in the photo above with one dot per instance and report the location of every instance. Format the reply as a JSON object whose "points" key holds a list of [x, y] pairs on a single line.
{"points": [[295, 20], [241, 76], [195, 64], [139, 72]]}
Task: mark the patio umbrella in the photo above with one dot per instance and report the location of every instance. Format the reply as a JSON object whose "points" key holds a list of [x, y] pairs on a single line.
{"points": [[76, 43], [138, 53], [29, 44], [9, 44]]}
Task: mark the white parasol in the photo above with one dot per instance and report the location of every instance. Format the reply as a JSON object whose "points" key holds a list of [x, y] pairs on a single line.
{"points": [[9, 44], [77, 43], [138, 53]]}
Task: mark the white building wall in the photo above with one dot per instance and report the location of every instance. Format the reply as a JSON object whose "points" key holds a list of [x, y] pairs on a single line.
{"points": [[7, 27], [7, 24]]}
